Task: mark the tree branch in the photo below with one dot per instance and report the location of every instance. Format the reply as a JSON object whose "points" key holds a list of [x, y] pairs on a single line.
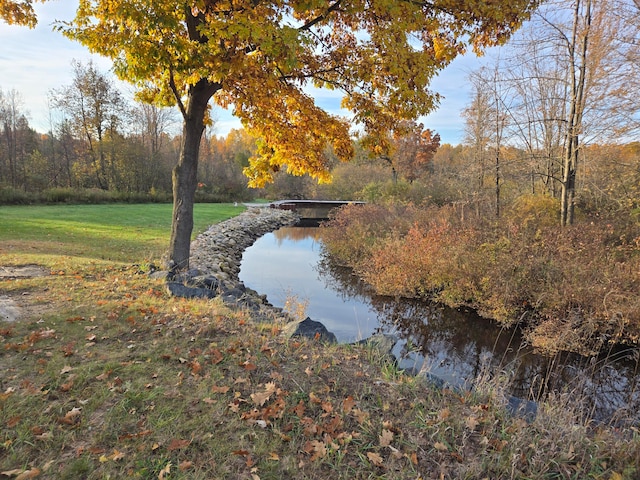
{"points": [[332, 8], [176, 94]]}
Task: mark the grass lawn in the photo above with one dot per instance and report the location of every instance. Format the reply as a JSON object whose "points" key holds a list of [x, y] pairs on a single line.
{"points": [[122, 233], [105, 376]]}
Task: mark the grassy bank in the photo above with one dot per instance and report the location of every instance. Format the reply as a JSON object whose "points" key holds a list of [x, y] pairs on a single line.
{"points": [[105, 376]]}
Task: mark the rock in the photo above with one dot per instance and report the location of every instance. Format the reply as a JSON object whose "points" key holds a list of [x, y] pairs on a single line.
{"points": [[311, 329], [216, 255], [180, 290], [384, 342]]}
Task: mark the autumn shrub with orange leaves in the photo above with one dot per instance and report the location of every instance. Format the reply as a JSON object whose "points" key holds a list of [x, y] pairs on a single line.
{"points": [[573, 288]]}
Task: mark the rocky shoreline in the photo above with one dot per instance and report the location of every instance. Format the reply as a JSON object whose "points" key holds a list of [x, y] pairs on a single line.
{"points": [[215, 260]]}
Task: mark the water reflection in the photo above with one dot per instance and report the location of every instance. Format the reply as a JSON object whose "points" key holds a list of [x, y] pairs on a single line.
{"points": [[456, 346]]}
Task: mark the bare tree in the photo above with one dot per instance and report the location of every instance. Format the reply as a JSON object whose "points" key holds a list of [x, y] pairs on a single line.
{"points": [[95, 109], [570, 72]]}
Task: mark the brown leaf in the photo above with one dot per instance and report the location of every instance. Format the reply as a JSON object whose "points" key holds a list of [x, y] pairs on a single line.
{"points": [[177, 444], [104, 376], [316, 448], [348, 404], [299, 409], [386, 438], [375, 458], [13, 421], [71, 417], [441, 447], [165, 471], [33, 473], [260, 398], [221, 389], [117, 455], [472, 422], [195, 368], [327, 407], [444, 414], [186, 465]]}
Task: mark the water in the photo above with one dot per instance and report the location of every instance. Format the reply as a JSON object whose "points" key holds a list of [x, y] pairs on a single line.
{"points": [[455, 346]]}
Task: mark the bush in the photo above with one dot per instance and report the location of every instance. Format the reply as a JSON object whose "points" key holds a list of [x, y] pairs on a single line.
{"points": [[576, 287]]}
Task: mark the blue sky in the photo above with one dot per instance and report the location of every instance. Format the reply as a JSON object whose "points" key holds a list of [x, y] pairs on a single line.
{"points": [[33, 62]]}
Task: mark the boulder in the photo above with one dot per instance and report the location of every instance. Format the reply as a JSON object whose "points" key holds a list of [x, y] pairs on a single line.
{"points": [[311, 329]]}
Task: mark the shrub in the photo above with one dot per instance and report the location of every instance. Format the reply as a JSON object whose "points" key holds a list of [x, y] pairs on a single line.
{"points": [[576, 287]]}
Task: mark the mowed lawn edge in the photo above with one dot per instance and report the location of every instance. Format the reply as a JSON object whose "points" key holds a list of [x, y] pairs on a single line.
{"points": [[125, 233]]}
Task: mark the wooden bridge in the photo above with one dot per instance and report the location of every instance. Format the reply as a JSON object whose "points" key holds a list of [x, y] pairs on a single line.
{"points": [[312, 212]]}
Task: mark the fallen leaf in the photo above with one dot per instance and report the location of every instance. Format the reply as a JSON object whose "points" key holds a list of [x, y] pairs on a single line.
{"points": [[117, 455], [348, 404], [165, 471], [314, 398], [441, 447], [260, 398], [13, 421], [299, 409], [472, 422], [274, 456], [221, 389], [375, 458], [71, 417], [386, 438], [316, 448], [104, 375], [177, 444], [33, 473], [395, 453], [186, 465], [66, 369]]}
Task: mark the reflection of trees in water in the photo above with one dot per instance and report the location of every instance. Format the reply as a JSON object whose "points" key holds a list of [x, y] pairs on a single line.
{"points": [[296, 234], [602, 388]]}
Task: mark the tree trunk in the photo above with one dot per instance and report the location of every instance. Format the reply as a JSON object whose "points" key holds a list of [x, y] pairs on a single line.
{"points": [[184, 176]]}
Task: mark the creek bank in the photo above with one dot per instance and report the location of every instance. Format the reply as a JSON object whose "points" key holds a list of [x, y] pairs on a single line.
{"points": [[216, 256], [215, 260]]}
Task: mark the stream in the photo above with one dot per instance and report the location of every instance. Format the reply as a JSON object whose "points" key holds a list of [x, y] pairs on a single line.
{"points": [[454, 346]]}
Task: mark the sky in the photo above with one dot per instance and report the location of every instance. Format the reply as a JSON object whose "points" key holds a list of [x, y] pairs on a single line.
{"points": [[33, 62]]}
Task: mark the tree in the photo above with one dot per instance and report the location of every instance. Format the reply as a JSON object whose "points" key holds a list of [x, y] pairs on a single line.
{"points": [[259, 56], [572, 79], [414, 151], [96, 109], [16, 140]]}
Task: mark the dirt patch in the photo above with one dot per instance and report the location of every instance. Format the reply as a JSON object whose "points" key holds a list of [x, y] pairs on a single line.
{"points": [[23, 271], [9, 309]]}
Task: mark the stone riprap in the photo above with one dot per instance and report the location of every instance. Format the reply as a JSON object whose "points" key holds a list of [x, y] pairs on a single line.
{"points": [[215, 260]]}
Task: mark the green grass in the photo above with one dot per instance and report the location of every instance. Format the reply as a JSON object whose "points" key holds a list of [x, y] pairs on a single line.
{"points": [[120, 232]]}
